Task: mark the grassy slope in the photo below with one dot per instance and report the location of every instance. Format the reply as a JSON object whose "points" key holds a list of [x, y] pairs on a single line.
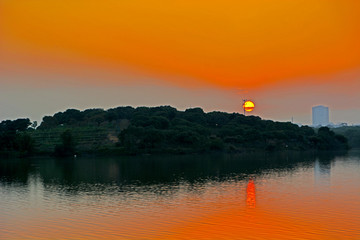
{"points": [[87, 138]]}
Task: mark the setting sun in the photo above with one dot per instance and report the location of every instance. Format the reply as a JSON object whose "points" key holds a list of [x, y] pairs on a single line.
{"points": [[248, 106]]}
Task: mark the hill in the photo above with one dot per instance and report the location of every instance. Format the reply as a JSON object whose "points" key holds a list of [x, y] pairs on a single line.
{"points": [[161, 129], [164, 129]]}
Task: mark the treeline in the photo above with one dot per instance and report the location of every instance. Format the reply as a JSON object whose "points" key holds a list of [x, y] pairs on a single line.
{"points": [[15, 139], [352, 133], [164, 129]]}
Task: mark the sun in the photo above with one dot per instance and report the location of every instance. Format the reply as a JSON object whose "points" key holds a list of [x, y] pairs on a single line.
{"points": [[248, 106]]}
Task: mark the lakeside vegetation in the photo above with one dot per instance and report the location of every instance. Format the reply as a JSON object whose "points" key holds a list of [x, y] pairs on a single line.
{"points": [[352, 133], [164, 129], [15, 139]]}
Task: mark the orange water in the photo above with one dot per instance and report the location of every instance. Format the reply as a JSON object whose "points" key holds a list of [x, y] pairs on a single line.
{"points": [[309, 201]]}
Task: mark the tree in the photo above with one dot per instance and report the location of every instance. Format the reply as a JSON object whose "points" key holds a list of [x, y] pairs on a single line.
{"points": [[217, 119], [195, 115], [67, 148], [20, 124], [24, 144], [69, 116], [48, 122]]}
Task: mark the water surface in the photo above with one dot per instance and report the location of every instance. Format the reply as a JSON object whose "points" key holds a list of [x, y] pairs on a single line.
{"points": [[254, 196]]}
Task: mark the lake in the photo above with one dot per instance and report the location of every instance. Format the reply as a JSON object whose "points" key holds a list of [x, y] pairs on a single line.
{"points": [[248, 196]]}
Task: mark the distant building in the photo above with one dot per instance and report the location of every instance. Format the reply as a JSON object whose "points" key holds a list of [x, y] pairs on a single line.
{"points": [[320, 116]]}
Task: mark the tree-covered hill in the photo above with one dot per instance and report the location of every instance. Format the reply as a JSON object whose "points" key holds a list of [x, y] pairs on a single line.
{"points": [[129, 130], [164, 129]]}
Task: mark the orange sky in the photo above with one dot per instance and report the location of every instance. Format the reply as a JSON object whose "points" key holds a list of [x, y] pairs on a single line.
{"points": [[250, 45]]}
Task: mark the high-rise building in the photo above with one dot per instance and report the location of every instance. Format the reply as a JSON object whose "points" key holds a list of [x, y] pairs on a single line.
{"points": [[320, 116]]}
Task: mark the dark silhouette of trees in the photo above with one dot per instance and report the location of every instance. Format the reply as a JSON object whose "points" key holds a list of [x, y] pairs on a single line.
{"points": [[48, 122], [327, 140], [67, 146], [352, 134], [14, 139], [24, 144], [165, 129], [15, 125]]}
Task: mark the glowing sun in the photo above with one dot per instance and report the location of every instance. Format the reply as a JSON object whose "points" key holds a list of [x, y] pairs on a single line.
{"points": [[248, 106]]}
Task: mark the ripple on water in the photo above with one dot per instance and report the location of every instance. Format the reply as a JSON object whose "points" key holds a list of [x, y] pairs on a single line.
{"points": [[301, 202]]}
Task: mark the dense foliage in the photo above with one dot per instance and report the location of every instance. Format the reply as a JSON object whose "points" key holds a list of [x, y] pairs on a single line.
{"points": [[14, 137], [352, 133], [67, 146], [128, 130], [165, 129]]}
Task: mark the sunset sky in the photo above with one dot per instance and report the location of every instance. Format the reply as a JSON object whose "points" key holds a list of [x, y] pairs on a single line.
{"points": [[286, 56]]}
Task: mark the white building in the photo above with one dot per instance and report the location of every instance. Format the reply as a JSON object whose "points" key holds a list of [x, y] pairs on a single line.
{"points": [[320, 116]]}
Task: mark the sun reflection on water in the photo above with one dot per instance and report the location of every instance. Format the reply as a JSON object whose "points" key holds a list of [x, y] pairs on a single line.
{"points": [[250, 194], [284, 204]]}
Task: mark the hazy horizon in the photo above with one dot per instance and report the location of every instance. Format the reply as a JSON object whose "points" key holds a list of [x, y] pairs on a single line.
{"points": [[285, 56]]}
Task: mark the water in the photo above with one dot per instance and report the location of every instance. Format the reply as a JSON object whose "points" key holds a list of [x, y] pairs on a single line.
{"points": [[257, 196]]}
